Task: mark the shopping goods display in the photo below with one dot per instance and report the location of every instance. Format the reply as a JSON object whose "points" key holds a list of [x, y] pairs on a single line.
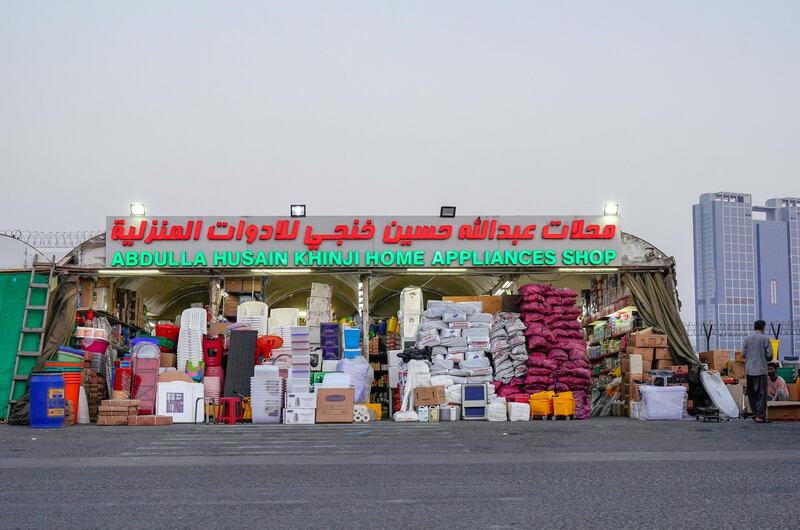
{"points": [[182, 401]]}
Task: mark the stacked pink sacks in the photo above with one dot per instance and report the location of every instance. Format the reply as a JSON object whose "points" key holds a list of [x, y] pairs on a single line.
{"points": [[556, 345]]}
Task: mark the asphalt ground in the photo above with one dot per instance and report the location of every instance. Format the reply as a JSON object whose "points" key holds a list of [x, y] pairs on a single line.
{"points": [[601, 473]]}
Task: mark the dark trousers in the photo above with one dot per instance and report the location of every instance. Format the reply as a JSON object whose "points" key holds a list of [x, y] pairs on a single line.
{"points": [[757, 394]]}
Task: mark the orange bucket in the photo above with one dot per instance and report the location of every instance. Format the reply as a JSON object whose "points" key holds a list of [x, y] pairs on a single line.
{"points": [[72, 389]]}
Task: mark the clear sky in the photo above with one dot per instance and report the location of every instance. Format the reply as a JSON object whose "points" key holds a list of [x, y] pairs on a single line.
{"points": [[397, 107]]}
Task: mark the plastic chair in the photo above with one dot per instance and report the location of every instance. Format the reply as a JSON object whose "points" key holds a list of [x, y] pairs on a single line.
{"points": [[254, 314], [229, 411], [265, 345]]}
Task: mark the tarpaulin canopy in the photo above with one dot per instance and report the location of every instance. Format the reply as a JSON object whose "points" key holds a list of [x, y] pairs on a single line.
{"points": [[654, 294], [61, 319]]}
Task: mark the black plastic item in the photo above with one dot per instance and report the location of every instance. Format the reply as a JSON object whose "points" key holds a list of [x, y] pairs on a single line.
{"points": [[241, 360], [415, 354]]}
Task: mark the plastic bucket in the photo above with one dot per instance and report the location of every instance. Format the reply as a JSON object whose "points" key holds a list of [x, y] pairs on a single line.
{"points": [[168, 331], [72, 390], [352, 338], [68, 357], [47, 401], [94, 345], [122, 379]]}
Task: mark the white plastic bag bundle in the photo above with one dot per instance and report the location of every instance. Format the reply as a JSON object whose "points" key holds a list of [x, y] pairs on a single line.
{"points": [[428, 338], [408, 415], [453, 394], [470, 308], [497, 411], [480, 317], [442, 380], [519, 411], [361, 376]]}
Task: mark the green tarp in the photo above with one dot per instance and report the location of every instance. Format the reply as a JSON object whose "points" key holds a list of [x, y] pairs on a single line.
{"points": [[13, 293], [60, 324]]}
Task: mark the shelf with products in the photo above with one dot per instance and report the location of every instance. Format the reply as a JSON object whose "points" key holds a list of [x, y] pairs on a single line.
{"points": [[605, 356], [609, 311], [111, 318]]}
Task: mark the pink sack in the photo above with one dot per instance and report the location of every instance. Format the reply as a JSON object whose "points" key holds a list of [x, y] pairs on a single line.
{"points": [[532, 317], [572, 364], [535, 343], [559, 387], [534, 288], [533, 307], [544, 372]]}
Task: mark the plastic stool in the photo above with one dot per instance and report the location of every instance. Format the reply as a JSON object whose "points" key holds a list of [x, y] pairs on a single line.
{"points": [[229, 410]]}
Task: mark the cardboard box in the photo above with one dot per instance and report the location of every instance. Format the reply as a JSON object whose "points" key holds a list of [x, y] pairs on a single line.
{"points": [[299, 416], [647, 365], [648, 354], [736, 370], [662, 365], [647, 339], [168, 360], [491, 304], [217, 328], [680, 368], [249, 284], [662, 354], [426, 396], [783, 411], [737, 393], [794, 391], [738, 356], [634, 393], [716, 359], [301, 400], [335, 405], [631, 379]]}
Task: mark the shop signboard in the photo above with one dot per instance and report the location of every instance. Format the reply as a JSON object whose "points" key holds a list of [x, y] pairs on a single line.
{"points": [[363, 242]]}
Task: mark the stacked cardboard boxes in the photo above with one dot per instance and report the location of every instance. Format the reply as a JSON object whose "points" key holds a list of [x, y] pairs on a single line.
{"points": [[300, 408], [320, 309]]}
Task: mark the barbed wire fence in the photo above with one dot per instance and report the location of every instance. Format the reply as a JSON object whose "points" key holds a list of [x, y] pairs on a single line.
{"points": [[706, 333], [51, 240]]}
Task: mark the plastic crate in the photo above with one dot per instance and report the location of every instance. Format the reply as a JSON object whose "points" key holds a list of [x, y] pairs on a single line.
{"points": [[563, 405]]}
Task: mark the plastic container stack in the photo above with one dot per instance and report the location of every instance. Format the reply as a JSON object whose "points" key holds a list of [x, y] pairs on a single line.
{"points": [[190, 337], [267, 391], [300, 372]]}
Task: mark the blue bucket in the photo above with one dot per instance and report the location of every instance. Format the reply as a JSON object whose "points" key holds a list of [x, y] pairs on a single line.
{"points": [[47, 400]]}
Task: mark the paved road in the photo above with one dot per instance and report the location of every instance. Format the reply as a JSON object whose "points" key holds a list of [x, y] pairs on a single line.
{"points": [[601, 473]]}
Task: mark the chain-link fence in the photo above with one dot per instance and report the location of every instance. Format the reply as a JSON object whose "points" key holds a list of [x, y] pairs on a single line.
{"points": [[712, 334]]}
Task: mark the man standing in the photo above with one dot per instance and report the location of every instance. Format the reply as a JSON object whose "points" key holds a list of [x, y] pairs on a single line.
{"points": [[776, 386], [757, 352]]}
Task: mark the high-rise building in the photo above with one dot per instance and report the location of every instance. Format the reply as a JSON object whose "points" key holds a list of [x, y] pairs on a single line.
{"points": [[747, 267]]}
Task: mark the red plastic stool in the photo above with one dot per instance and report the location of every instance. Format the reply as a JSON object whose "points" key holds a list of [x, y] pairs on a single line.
{"points": [[229, 410]]}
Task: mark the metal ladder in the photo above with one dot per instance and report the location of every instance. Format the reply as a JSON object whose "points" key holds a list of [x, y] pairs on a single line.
{"points": [[26, 330]]}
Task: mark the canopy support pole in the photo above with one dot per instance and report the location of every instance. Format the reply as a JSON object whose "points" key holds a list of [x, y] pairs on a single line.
{"points": [[364, 279]]}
